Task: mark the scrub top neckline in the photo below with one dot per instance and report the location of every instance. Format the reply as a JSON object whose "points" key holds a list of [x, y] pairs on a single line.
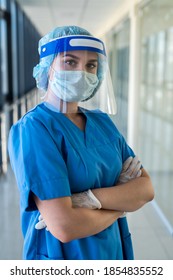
{"points": [[81, 110], [77, 127], [86, 134]]}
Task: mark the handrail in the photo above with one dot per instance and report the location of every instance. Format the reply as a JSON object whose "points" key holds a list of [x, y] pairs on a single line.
{"points": [[10, 115]]}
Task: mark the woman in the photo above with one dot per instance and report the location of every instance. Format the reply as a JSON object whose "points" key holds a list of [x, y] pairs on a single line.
{"points": [[67, 155]]}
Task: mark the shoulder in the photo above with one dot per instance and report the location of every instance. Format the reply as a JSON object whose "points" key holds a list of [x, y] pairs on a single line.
{"points": [[35, 119], [24, 128], [29, 117], [36, 128]]}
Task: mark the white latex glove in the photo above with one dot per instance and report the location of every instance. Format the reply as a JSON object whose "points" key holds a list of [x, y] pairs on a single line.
{"points": [[123, 215], [84, 199], [130, 170], [41, 223]]}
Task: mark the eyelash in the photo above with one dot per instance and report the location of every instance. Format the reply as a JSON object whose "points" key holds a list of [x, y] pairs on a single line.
{"points": [[73, 63], [70, 62], [91, 65]]}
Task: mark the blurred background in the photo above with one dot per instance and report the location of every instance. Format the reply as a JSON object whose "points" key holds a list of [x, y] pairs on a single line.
{"points": [[139, 42]]}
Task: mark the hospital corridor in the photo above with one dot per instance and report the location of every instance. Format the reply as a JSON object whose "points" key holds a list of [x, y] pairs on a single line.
{"points": [[138, 39]]}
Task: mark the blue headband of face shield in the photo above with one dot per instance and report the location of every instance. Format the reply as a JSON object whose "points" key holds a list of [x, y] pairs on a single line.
{"points": [[71, 43]]}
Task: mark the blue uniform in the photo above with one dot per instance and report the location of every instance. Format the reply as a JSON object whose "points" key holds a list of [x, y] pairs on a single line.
{"points": [[51, 157]]}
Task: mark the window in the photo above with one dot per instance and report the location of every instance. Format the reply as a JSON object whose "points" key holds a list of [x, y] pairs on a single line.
{"points": [[3, 53], [120, 73], [18, 56], [156, 99]]}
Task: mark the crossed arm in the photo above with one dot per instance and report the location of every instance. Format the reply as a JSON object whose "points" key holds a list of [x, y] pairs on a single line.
{"points": [[127, 197], [67, 223]]}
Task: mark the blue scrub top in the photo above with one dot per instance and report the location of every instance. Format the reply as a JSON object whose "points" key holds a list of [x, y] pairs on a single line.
{"points": [[51, 157]]}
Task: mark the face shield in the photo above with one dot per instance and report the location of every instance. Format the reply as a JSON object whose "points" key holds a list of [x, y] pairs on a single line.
{"points": [[79, 74]]}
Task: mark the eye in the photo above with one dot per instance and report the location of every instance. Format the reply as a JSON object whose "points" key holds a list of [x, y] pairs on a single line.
{"points": [[91, 65], [70, 62]]}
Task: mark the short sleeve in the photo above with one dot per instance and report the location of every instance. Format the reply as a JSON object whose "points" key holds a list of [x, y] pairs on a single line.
{"points": [[37, 162], [126, 150]]}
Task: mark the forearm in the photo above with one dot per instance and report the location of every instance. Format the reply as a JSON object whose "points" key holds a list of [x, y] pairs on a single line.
{"points": [[126, 197], [86, 222], [67, 223]]}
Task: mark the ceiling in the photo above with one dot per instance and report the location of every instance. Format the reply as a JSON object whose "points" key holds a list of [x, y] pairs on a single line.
{"points": [[97, 16]]}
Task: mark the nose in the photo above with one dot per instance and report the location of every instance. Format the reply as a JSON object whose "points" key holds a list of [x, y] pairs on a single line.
{"points": [[81, 66]]}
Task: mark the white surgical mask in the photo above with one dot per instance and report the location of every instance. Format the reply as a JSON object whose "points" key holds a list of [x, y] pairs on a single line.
{"points": [[73, 86]]}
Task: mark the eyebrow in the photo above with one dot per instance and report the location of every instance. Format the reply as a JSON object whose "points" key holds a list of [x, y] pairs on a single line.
{"points": [[76, 57], [71, 55]]}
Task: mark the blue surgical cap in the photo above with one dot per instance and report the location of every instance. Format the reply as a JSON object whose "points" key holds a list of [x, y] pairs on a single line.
{"points": [[40, 71]]}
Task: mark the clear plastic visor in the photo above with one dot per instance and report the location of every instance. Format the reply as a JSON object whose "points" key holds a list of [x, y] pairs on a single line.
{"points": [[81, 78]]}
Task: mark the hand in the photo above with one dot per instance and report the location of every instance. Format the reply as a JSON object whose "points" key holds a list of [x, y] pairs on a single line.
{"points": [[84, 199], [123, 215], [131, 170], [41, 224]]}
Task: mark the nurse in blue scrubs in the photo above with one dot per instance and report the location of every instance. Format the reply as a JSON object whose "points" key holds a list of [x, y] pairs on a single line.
{"points": [[68, 157]]}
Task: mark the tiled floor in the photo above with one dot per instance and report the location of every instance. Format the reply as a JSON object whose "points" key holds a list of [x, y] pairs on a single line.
{"points": [[151, 239]]}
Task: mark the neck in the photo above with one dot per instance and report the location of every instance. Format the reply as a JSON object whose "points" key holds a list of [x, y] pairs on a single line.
{"points": [[65, 107]]}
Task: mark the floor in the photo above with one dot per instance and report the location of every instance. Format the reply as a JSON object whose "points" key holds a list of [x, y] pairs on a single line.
{"points": [[151, 239]]}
